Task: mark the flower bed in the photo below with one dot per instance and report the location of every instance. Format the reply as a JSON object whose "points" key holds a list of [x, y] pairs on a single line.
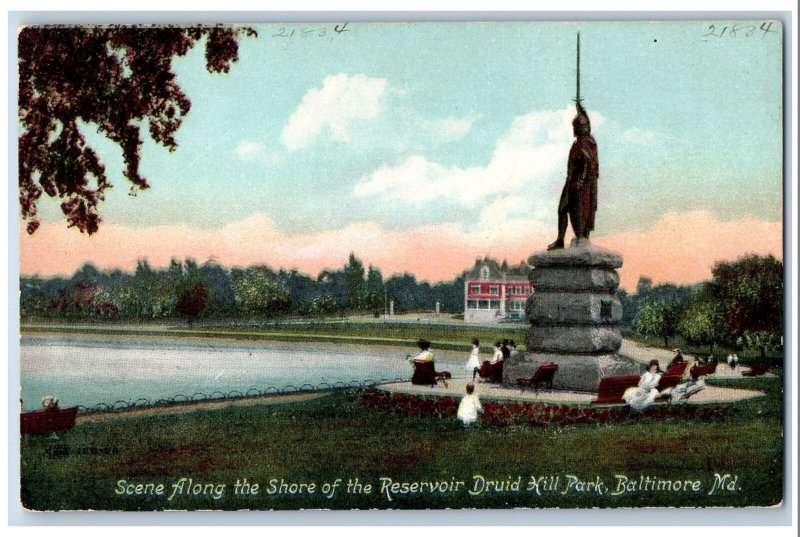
{"points": [[508, 413]]}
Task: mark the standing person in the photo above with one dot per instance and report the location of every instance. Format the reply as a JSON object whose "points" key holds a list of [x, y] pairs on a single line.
{"points": [[512, 348], [470, 407], [735, 361], [643, 395], [474, 362]]}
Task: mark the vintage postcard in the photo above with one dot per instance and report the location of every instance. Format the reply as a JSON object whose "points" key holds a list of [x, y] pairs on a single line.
{"points": [[447, 265]]}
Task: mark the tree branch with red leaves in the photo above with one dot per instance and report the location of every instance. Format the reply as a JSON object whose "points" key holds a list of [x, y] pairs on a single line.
{"points": [[113, 77]]}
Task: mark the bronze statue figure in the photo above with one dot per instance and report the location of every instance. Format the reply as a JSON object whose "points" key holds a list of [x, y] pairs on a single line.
{"points": [[579, 197]]}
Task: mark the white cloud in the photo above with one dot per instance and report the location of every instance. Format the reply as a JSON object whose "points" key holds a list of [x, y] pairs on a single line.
{"points": [[638, 136], [432, 252], [528, 161], [364, 113], [256, 151], [334, 109]]}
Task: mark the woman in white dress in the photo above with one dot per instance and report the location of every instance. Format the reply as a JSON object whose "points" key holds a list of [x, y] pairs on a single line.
{"points": [[474, 362], [643, 395], [470, 407]]}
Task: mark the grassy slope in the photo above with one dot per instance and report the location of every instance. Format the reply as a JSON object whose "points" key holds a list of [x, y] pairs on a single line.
{"points": [[337, 437], [443, 336]]}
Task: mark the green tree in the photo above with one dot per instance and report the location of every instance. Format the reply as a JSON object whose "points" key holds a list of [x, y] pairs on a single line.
{"points": [[751, 290], [356, 288], [256, 291], [375, 291], [703, 322], [659, 318], [762, 340]]}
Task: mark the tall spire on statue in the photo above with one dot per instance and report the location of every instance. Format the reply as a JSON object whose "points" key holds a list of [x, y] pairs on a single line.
{"points": [[578, 99]]}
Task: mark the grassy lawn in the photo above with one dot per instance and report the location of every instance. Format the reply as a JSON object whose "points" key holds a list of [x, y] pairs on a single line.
{"points": [[442, 335], [338, 437]]}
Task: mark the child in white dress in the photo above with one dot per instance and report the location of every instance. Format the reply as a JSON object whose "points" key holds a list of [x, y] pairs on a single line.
{"points": [[470, 407], [474, 362]]}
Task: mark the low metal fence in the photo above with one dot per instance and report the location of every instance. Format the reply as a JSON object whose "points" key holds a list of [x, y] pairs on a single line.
{"points": [[219, 395]]}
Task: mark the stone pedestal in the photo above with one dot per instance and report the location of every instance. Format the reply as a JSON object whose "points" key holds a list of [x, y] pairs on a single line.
{"points": [[574, 315]]}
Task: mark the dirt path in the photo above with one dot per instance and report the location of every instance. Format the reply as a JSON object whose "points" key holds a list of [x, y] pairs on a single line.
{"points": [[193, 406]]}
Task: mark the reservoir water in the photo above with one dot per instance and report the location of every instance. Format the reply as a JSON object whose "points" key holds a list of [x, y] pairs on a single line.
{"points": [[87, 370]]}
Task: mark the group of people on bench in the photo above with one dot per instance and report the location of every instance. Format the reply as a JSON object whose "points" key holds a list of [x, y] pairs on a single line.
{"points": [[490, 370], [653, 384]]}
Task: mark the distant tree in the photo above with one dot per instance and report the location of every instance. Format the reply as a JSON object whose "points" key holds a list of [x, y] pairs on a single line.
{"points": [[192, 302], [762, 340], [302, 289], [257, 291], [354, 276], [32, 298], [333, 283], [659, 318], [113, 79], [644, 286], [450, 295], [630, 310], [703, 321], [374, 290], [751, 290], [221, 295], [408, 294]]}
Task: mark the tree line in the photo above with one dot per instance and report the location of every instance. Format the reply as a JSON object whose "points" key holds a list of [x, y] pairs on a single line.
{"points": [[740, 307], [192, 290]]}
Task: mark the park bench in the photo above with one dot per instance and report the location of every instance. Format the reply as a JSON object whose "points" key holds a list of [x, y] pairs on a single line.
{"points": [[491, 372], [700, 370], [677, 368], [47, 420], [668, 380], [611, 389], [544, 374], [425, 374], [756, 370]]}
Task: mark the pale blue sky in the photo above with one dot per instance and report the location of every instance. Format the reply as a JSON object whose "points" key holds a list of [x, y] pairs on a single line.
{"points": [[683, 121]]}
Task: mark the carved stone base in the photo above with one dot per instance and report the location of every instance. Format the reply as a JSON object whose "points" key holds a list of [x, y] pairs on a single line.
{"points": [[576, 372]]}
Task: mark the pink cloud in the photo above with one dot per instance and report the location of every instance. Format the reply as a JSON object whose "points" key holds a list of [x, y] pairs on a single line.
{"points": [[678, 248]]}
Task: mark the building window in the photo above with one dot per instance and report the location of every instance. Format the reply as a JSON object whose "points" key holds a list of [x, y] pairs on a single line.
{"points": [[472, 304], [518, 289], [483, 304], [475, 289], [494, 305], [484, 273], [493, 290]]}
